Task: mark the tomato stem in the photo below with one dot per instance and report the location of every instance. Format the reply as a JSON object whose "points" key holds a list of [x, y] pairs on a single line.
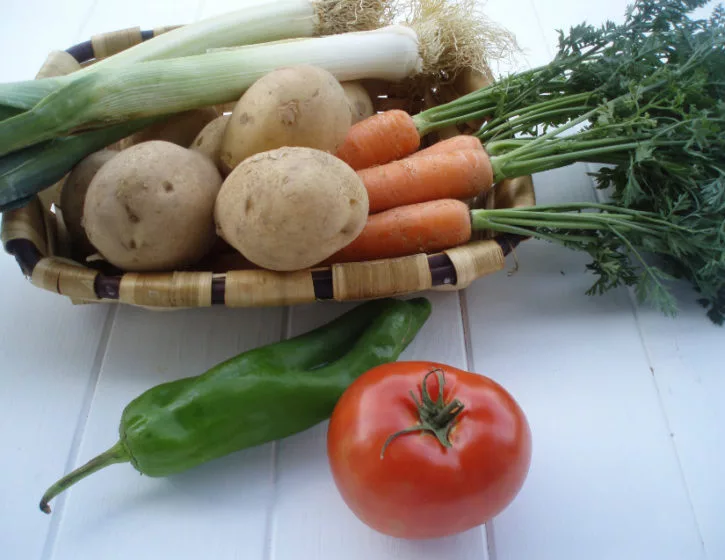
{"points": [[435, 417]]}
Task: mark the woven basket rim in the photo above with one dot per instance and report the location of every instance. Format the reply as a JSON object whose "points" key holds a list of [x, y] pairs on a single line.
{"points": [[108, 287]]}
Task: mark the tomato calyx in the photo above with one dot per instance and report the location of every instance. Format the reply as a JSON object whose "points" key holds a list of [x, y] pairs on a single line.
{"points": [[436, 417]]}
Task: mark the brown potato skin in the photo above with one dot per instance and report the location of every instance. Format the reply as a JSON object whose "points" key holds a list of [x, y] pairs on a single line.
{"points": [[290, 208], [361, 105], [300, 105], [73, 195], [209, 140], [151, 207]]}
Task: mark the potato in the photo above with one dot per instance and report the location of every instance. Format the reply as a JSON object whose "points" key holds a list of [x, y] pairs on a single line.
{"points": [[152, 207], [209, 140], [299, 105], [180, 129], [72, 196], [360, 104], [291, 208]]}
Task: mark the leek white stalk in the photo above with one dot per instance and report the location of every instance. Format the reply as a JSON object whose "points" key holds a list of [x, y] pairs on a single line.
{"points": [[169, 86], [258, 21]]}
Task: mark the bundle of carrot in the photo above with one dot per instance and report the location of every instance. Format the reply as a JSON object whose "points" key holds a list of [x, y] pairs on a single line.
{"points": [[415, 203], [646, 97]]}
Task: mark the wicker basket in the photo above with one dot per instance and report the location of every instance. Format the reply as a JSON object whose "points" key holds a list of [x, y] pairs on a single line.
{"points": [[36, 236]]}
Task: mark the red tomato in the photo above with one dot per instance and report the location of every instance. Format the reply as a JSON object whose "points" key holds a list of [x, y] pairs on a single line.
{"points": [[419, 488]]}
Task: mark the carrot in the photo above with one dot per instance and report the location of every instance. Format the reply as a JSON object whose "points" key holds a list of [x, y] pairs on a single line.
{"points": [[380, 138], [458, 174], [458, 142], [417, 228]]}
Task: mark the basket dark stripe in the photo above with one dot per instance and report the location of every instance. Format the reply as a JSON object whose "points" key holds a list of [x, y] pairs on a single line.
{"points": [[83, 52], [322, 283], [26, 254]]}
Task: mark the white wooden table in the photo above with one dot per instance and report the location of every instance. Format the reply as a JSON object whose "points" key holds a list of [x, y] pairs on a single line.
{"points": [[625, 405]]}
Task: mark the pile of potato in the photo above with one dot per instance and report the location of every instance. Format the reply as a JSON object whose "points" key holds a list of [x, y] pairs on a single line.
{"points": [[261, 181]]}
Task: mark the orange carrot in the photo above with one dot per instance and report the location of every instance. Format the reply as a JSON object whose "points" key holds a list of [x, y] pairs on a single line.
{"points": [[418, 228], [458, 174], [458, 142], [378, 139]]}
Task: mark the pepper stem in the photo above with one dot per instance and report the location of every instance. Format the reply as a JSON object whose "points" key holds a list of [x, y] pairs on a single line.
{"points": [[435, 417], [116, 454]]}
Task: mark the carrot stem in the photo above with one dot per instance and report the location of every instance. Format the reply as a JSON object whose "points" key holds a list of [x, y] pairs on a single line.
{"points": [[509, 165], [424, 127], [523, 123], [535, 112]]}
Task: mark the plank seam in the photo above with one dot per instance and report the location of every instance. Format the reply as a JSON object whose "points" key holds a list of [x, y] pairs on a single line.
{"points": [[271, 517], [74, 451], [488, 532], [663, 411], [463, 304], [84, 22], [271, 514], [542, 31]]}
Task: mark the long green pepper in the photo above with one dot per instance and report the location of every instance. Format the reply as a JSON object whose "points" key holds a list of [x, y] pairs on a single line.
{"points": [[261, 395]]}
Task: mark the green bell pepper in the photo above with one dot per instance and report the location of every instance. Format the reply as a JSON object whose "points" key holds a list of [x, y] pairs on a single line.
{"points": [[258, 396]]}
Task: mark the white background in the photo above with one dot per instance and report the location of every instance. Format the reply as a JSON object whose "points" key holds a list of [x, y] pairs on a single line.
{"points": [[625, 405]]}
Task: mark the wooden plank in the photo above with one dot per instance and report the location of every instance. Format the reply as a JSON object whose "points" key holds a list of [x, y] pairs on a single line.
{"points": [[563, 14], [309, 514], [605, 479], [48, 357], [520, 18], [684, 357], [111, 16], [49, 347], [164, 514], [31, 31], [689, 386], [212, 8], [214, 511]]}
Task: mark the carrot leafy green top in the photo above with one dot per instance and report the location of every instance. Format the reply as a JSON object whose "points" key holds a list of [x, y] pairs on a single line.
{"points": [[652, 109], [645, 99]]}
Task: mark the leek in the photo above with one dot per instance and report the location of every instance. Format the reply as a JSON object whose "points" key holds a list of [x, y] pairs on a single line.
{"points": [[259, 21], [170, 86], [26, 172], [17, 97]]}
